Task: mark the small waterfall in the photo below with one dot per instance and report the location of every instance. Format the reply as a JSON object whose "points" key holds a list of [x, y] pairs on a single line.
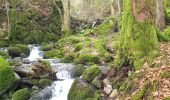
{"points": [[59, 88], [35, 54]]}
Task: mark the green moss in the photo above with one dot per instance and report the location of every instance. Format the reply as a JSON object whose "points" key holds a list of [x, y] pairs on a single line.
{"points": [[46, 65], [165, 74], [46, 47], [4, 54], [53, 54], [88, 58], [90, 73], [24, 48], [104, 28], [167, 9], [168, 98], [78, 70], [97, 96], [44, 83], [138, 40], [80, 91], [14, 51], [22, 94], [7, 76]]}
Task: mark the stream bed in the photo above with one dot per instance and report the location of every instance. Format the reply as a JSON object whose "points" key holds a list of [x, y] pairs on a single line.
{"points": [[61, 87]]}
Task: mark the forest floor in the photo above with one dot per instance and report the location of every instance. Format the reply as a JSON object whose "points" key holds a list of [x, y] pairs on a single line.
{"points": [[153, 79]]}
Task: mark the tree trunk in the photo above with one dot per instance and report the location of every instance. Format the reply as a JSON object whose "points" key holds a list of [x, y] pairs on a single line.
{"points": [[138, 39], [116, 7], [7, 13], [160, 15], [13, 17], [66, 19]]}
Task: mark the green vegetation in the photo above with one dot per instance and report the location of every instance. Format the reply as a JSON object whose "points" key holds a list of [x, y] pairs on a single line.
{"points": [[90, 73], [165, 74], [167, 9], [140, 94], [4, 54], [78, 70], [22, 94], [46, 65], [46, 47], [44, 83], [53, 54], [80, 91], [138, 40], [7, 77], [24, 48]]}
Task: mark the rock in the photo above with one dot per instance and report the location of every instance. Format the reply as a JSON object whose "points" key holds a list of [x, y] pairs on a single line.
{"points": [[96, 82], [35, 87], [22, 55], [17, 76], [81, 90], [114, 94], [106, 82], [108, 89], [44, 94], [26, 61]]}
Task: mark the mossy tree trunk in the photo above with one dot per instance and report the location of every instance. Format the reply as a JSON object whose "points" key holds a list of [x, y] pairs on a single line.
{"points": [[138, 39], [13, 17]]}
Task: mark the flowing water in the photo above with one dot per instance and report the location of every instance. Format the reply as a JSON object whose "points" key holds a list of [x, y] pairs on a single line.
{"points": [[60, 88]]}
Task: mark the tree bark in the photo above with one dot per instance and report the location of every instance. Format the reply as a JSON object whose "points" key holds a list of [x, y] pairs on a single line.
{"points": [[138, 39], [7, 13], [66, 19], [160, 15]]}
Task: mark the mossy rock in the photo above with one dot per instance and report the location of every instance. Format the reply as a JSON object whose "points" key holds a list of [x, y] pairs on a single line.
{"points": [[78, 70], [90, 73], [22, 94], [88, 58], [14, 51], [45, 82], [81, 90], [47, 66], [46, 47], [53, 54], [24, 48], [4, 54], [7, 76]]}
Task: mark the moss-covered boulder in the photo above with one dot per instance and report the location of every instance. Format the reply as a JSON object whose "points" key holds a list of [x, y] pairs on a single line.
{"points": [[14, 51], [45, 82], [7, 76], [22, 94], [81, 90], [78, 70], [53, 54], [90, 73], [46, 47], [24, 49]]}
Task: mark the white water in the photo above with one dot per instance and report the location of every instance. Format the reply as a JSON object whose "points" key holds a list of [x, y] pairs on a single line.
{"points": [[61, 88], [34, 54]]}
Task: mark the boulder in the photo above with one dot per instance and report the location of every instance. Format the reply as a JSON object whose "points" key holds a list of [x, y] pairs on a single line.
{"points": [[81, 90], [44, 94]]}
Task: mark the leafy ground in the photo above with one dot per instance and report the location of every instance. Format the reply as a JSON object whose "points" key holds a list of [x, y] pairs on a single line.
{"points": [[152, 82]]}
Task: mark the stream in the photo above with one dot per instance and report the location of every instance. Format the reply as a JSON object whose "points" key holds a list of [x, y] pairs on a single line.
{"points": [[59, 88]]}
